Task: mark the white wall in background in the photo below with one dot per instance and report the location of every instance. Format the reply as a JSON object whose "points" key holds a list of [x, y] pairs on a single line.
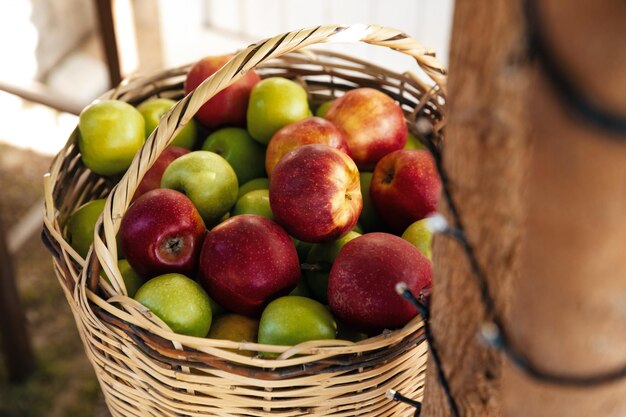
{"points": [[194, 28]]}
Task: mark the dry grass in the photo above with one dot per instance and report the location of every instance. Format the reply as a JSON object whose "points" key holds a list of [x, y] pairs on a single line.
{"points": [[64, 383]]}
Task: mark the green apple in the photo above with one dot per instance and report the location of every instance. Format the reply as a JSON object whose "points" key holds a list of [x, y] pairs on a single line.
{"points": [[369, 219], [420, 236], [323, 108], [318, 264], [244, 154], [293, 319], [216, 309], [207, 179], [132, 280], [255, 202], [275, 102], [81, 225], [412, 142], [110, 134], [179, 301], [153, 109], [255, 184]]}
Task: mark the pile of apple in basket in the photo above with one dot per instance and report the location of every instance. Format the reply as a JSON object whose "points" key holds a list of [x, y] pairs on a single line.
{"points": [[278, 227]]}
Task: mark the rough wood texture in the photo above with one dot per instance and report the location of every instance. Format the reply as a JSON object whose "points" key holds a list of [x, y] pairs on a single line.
{"points": [[569, 313], [484, 156]]}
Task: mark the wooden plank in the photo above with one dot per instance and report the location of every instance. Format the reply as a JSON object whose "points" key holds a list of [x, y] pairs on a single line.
{"points": [[104, 9]]}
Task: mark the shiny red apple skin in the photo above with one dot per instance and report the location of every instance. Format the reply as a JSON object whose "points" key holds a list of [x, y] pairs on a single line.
{"points": [[304, 132], [247, 261], [405, 188], [373, 122], [152, 178], [162, 232], [315, 193], [229, 106], [362, 281]]}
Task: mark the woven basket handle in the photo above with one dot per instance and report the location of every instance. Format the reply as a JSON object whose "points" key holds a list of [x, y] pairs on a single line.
{"points": [[119, 200]]}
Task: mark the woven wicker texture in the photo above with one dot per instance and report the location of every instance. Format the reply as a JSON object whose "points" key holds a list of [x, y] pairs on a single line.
{"points": [[143, 368]]}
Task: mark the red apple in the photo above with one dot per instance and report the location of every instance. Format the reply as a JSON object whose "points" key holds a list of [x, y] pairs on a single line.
{"points": [[304, 132], [162, 232], [405, 188], [363, 278], [229, 106], [247, 261], [152, 178], [315, 193], [373, 122]]}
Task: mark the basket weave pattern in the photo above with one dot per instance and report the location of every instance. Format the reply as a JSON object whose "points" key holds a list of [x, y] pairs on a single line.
{"points": [[146, 370]]}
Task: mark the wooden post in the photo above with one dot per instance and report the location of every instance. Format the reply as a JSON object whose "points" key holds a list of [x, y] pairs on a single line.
{"points": [[568, 310], [541, 193], [484, 157], [16, 348]]}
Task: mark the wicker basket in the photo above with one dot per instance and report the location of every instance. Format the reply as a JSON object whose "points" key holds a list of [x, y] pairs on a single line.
{"points": [[146, 370]]}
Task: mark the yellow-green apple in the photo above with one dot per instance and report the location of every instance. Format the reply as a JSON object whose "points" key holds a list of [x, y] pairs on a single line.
{"points": [[152, 178], [373, 122], [255, 202], [323, 108], [180, 302], [132, 280], [275, 102], [262, 183], [412, 142], [237, 328], [207, 179], [405, 188], [318, 263], [229, 106], [162, 232], [153, 109], [244, 154], [369, 218], [420, 236], [293, 319], [81, 224], [362, 283], [304, 132], [110, 134], [247, 261], [315, 193]]}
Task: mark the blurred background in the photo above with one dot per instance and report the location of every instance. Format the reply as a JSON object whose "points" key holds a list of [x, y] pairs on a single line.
{"points": [[58, 56]]}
